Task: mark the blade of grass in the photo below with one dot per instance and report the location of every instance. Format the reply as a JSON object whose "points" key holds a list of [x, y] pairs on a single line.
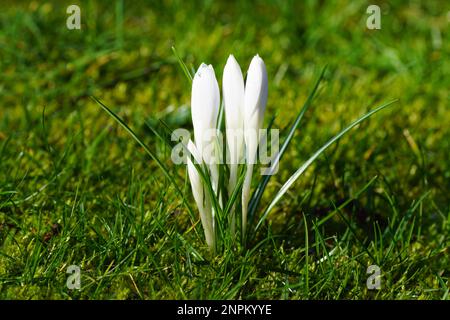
{"points": [[355, 235], [306, 257], [182, 65], [148, 151], [237, 190], [257, 195], [305, 165], [356, 196]]}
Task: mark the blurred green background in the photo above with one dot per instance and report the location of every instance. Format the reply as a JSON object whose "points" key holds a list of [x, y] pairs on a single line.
{"points": [[68, 173]]}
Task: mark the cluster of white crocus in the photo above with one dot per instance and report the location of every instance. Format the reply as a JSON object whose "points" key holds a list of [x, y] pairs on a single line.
{"points": [[244, 112]]}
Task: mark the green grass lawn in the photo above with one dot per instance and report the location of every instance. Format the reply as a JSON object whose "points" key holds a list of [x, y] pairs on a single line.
{"points": [[75, 189]]}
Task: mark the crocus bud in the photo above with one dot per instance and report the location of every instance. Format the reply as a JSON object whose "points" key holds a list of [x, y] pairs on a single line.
{"points": [[233, 97], [255, 99], [200, 196], [205, 101]]}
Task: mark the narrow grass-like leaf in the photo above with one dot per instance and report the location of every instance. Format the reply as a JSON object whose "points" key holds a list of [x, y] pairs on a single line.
{"points": [[237, 190], [191, 250], [256, 197], [305, 165], [182, 65], [355, 234], [306, 257], [7, 192], [356, 196], [148, 151]]}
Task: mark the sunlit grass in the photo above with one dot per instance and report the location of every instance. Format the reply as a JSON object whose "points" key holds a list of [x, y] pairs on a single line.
{"points": [[74, 189]]}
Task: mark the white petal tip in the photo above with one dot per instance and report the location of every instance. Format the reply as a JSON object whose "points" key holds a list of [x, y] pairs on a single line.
{"points": [[231, 58]]}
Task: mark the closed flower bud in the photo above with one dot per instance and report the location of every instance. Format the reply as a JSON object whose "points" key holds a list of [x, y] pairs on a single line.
{"points": [[255, 100]]}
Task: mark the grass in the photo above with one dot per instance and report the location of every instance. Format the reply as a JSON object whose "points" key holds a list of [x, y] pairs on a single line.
{"points": [[76, 189]]}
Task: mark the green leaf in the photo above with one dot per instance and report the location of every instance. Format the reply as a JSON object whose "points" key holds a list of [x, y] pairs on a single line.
{"points": [[256, 197], [182, 65], [356, 196], [305, 165], [148, 151]]}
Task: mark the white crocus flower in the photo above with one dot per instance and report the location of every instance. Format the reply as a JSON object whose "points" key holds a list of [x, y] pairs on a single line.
{"points": [[255, 99], [201, 197], [233, 98], [205, 102]]}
